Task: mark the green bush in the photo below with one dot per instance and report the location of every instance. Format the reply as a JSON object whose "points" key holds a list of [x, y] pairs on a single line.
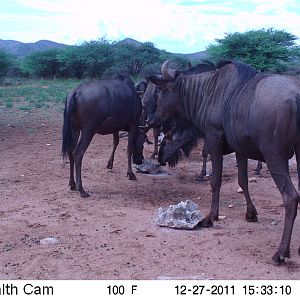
{"points": [[6, 61], [265, 49]]}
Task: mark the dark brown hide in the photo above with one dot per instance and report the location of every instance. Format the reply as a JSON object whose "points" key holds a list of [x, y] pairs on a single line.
{"points": [[149, 101], [103, 107], [238, 110], [142, 87]]}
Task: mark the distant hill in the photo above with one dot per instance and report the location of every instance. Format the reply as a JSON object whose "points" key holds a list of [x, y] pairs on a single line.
{"points": [[201, 55], [21, 50], [129, 41], [190, 56]]}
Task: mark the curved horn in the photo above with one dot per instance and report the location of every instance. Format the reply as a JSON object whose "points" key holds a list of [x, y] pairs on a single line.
{"points": [[167, 72]]}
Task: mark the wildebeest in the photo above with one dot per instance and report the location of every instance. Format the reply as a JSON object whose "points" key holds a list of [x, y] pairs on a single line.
{"points": [[239, 110], [181, 139], [143, 87], [104, 107], [149, 99]]}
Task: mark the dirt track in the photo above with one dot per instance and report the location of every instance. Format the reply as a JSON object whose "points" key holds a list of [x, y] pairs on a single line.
{"points": [[112, 234]]}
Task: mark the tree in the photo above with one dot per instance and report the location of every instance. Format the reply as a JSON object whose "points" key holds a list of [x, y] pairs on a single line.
{"points": [[90, 59], [98, 57], [136, 57], [6, 61], [43, 63], [72, 62], [265, 49]]}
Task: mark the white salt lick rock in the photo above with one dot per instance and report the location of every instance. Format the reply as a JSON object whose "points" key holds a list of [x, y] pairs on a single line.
{"points": [[182, 215]]}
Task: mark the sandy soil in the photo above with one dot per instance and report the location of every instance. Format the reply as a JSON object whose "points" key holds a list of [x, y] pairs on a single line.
{"points": [[113, 234]]}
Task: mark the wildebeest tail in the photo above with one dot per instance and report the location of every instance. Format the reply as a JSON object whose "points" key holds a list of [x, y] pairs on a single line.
{"points": [[298, 110], [67, 135]]}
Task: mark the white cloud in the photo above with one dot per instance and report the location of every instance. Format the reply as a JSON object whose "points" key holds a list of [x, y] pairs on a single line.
{"points": [[177, 26]]}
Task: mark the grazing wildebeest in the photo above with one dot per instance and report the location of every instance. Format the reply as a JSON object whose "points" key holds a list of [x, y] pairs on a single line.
{"points": [[239, 110], [104, 107], [149, 100], [181, 139]]}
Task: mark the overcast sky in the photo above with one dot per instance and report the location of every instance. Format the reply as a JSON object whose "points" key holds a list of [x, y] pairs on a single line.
{"points": [[184, 26]]}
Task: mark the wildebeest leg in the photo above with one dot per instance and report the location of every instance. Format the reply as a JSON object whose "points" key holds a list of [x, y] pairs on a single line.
{"points": [[200, 178], [75, 133], [110, 163], [280, 173], [258, 167], [297, 152], [155, 135], [85, 140], [131, 139], [251, 214], [216, 156]]}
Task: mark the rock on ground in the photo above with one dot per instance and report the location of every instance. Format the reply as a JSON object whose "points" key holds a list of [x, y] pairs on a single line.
{"points": [[185, 215]]}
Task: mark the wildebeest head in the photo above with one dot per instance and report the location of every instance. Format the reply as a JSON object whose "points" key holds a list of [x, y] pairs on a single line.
{"points": [[140, 87], [166, 104], [149, 99], [181, 139]]}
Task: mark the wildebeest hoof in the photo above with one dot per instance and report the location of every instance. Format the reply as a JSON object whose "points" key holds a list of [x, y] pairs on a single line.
{"points": [[131, 176], [199, 179], [251, 218], [206, 223], [277, 260], [72, 187], [279, 257], [109, 166], [84, 194]]}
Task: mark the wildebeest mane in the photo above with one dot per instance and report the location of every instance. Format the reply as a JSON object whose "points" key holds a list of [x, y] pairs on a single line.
{"points": [[205, 66], [244, 71]]}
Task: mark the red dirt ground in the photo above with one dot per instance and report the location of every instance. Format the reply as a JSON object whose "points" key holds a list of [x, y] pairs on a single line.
{"points": [[113, 234]]}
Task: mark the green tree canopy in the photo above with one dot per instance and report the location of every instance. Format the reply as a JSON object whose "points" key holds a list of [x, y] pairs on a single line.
{"points": [[98, 56], [6, 61], [265, 49], [43, 63], [72, 62], [135, 57], [90, 59]]}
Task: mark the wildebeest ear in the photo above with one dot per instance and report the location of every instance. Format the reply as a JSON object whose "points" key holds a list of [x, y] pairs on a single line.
{"points": [[159, 80]]}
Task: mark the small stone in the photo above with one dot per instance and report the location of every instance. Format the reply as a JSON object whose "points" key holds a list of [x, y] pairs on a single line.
{"points": [[148, 167], [48, 144], [274, 223], [240, 190], [49, 241], [222, 217], [230, 205], [252, 179]]}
